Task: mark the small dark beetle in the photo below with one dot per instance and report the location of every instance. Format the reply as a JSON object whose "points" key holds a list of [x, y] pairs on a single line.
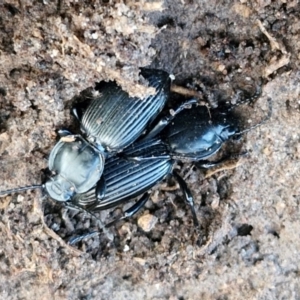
{"points": [[195, 135], [110, 123]]}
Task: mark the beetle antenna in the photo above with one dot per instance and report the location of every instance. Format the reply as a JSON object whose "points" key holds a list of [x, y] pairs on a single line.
{"points": [[245, 100], [20, 189], [267, 117]]}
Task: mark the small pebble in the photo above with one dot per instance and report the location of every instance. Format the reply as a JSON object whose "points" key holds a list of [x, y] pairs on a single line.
{"points": [[147, 222]]}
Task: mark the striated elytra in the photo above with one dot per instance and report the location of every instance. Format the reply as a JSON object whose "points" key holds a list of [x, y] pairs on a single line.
{"points": [[114, 120]]}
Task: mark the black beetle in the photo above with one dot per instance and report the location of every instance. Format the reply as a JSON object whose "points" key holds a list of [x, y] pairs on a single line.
{"points": [[194, 135], [110, 122]]}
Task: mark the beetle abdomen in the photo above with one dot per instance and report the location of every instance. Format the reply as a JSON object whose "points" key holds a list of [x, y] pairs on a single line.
{"points": [[115, 120]]}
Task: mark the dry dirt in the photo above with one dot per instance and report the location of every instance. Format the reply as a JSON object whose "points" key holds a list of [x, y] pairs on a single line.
{"points": [[249, 244]]}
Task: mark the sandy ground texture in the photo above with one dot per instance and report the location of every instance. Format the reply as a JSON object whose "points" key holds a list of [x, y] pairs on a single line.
{"points": [[248, 247]]}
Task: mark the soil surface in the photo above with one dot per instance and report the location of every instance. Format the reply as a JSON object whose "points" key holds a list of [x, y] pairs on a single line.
{"points": [[249, 243]]}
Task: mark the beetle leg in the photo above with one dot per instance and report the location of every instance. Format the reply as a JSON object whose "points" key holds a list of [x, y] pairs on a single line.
{"points": [[78, 238], [131, 211], [143, 158], [246, 99], [127, 214], [163, 122], [64, 132], [76, 113], [229, 164], [187, 196], [76, 207], [101, 188], [206, 164], [73, 206]]}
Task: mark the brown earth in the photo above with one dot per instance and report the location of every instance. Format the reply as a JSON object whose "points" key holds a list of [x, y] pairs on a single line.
{"points": [[249, 244]]}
